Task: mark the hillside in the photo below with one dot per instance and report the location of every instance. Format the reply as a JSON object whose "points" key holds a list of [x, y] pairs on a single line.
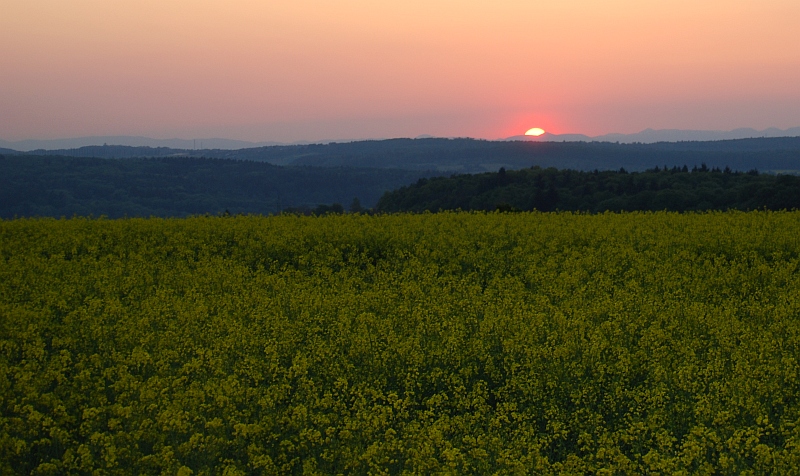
{"points": [[474, 156], [65, 186], [117, 181]]}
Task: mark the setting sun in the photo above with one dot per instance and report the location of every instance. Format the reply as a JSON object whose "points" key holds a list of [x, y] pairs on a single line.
{"points": [[536, 131]]}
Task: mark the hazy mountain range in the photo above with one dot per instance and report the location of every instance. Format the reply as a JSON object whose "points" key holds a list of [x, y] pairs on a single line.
{"points": [[463, 156], [645, 136], [131, 141], [649, 136]]}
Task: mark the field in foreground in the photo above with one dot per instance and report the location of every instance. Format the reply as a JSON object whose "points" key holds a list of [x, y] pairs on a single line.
{"points": [[449, 343]]}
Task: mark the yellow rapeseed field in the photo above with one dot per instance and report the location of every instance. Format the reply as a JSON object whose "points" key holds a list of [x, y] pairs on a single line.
{"points": [[449, 343]]}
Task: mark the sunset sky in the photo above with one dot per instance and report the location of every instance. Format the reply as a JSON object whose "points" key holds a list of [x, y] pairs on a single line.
{"points": [[337, 69]]}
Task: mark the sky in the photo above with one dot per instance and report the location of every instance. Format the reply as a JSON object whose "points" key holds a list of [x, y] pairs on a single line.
{"points": [[266, 70]]}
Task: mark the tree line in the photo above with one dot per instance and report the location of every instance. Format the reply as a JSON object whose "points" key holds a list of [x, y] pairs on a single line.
{"points": [[668, 188]]}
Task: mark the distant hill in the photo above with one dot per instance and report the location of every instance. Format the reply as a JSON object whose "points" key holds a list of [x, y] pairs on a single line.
{"points": [[130, 141], [64, 186], [472, 156], [448, 156], [645, 136], [119, 152]]}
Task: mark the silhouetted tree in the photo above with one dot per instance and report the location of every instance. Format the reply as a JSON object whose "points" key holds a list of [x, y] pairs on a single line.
{"points": [[333, 209]]}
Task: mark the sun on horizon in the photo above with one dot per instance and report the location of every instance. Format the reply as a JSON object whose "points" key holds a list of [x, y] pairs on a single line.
{"points": [[536, 132]]}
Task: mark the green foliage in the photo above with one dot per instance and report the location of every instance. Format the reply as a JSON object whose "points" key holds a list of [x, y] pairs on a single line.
{"points": [[570, 190], [451, 343]]}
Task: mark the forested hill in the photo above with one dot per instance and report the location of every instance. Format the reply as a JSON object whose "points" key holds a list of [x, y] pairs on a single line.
{"points": [[66, 186], [474, 156], [676, 189]]}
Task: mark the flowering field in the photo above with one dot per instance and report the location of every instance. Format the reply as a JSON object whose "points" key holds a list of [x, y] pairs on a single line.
{"points": [[450, 343]]}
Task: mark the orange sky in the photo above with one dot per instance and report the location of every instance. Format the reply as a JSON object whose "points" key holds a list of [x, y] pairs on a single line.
{"points": [[328, 69]]}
